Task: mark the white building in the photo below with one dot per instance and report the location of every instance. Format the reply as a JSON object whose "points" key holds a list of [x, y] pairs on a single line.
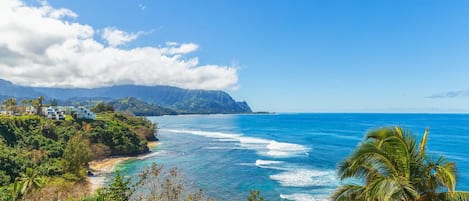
{"points": [[82, 113], [57, 113], [60, 112], [30, 109]]}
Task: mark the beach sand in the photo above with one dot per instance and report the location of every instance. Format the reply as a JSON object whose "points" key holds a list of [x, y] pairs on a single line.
{"points": [[102, 167], [152, 144]]}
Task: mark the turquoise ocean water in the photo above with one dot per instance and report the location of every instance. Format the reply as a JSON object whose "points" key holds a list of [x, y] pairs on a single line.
{"points": [[286, 156]]}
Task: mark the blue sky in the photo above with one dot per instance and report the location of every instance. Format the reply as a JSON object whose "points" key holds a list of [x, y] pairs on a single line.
{"points": [[312, 56]]}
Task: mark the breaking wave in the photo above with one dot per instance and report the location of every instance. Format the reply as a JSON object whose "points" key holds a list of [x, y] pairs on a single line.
{"points": [[264, 147]]}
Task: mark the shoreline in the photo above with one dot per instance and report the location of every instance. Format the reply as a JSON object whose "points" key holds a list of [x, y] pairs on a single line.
{"points": [[101, 168]]}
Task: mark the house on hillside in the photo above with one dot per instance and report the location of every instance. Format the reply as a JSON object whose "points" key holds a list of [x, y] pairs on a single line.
{"points": [[82, 113], [56, 113], [30, 109], [60, 112], [4, 111]]}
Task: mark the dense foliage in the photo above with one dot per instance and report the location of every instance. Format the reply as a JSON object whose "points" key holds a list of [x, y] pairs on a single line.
{"points": [[155, 184], [38, 148], [392, 166], [102, 107], [140, 108]]}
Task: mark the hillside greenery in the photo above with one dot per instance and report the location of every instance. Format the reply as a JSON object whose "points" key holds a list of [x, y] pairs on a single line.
{"points": [[187, 101], [139, 108], [35, 151]]}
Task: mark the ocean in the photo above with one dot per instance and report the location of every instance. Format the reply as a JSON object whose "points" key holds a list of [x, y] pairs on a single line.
{"points": [[286, 156]]}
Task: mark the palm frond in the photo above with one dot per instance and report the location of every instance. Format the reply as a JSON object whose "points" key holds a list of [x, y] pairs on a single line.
{"points": [[423, 144], [453, 196], [347, 193], [446, 175], [367, 154], [394, 166]]}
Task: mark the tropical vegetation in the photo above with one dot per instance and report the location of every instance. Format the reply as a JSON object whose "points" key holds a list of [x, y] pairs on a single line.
{"points": [[391, 165], [139, 108], [39, 153], [183, 101], [44, 159], [154, 183]]}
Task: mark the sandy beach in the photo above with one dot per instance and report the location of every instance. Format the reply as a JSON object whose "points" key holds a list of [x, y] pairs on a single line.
{"points": [[152, 144], [102, 167]]}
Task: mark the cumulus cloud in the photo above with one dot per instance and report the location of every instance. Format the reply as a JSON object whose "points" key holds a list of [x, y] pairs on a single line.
{"points": [[116, 37], [451, 94], [46, 46]]}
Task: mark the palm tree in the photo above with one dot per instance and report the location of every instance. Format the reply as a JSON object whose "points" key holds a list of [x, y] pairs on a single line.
{"points": [[30, 181], [392, 166], [24, 102], [10, 104], [37, 103]]}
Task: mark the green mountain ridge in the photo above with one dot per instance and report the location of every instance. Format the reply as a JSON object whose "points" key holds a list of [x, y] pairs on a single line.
{"points": [[185, 101], [140, 108]]}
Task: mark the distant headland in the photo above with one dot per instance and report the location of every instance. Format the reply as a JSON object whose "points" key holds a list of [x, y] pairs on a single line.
{"points": [[141, 100]]}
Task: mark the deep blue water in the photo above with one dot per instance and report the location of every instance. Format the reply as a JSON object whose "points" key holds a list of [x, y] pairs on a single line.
{"points": [[286, 156]]}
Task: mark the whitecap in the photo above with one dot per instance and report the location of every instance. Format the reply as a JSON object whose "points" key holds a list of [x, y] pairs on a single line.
{"points": [[303, 197], [264, 147], [253, 140], [266, 162], [152, 154], [220, 148], [281, 149], [305, 178], [207, 134]]}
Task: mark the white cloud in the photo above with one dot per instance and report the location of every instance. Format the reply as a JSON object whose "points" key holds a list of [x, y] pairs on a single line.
{"points": [[116, 37], [40, 47], [172, 43]]}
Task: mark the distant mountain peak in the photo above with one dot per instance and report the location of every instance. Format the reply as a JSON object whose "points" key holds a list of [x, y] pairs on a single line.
{"points": [[187, 101], [5, 82]]}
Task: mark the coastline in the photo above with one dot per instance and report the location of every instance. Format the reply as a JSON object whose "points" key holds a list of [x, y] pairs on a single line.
{"points": [[152, 144], [101, 168]]}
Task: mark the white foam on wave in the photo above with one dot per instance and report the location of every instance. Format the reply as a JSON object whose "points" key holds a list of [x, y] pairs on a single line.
{"points": [[266, 162], [303, 197], [264, 147], [253, 140], [305, 178], [284, 149], [220, 148], [219, 135], [152, 154]]}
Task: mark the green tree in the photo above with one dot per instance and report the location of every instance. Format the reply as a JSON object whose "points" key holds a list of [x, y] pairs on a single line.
{"points": [[24, 103], [30, 181], [120, 189], [102, 107], [38, 103], [54, 102], [76, 155], [254, 195], [10, 104], [393, 166], [13, 192]]}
